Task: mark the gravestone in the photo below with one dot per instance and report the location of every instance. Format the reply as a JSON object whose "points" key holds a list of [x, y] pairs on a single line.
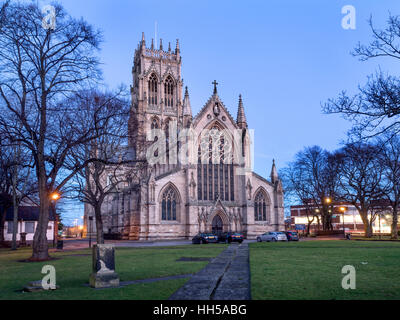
{"points": [[104, 275], [36, 286]]}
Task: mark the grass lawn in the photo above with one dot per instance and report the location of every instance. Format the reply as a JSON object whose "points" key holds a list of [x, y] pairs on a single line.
{"points": [[73, 269], [312, 270]]}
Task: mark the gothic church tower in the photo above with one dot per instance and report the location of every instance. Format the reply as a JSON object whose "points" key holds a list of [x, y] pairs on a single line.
{"points": [[156, 93]]}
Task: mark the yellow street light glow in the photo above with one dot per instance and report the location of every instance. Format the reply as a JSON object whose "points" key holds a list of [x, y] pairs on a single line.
{"points": [[343, 209], [80, 227], [55, 196], [328, 200]]}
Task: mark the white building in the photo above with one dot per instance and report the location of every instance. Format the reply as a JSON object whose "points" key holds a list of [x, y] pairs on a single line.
{"points": [[27, 222]]}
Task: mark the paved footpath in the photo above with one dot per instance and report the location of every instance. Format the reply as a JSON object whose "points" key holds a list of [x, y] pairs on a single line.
{"points": [[227, 277]]}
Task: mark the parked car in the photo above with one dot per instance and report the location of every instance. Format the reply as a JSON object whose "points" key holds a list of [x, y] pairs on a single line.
{"points": [[272, 236], [229, 237], [292, 235], [203, 238]]}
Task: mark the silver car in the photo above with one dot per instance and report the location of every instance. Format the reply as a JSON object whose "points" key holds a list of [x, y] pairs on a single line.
{"points": [[272, 236]]}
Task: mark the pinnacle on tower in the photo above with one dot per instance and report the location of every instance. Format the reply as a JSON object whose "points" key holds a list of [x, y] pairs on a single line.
{"points": [[152, 44], [143, 40], [274, 173], [177, 49], [187, 109], [169, 47], [161, 46], [241, 116]]}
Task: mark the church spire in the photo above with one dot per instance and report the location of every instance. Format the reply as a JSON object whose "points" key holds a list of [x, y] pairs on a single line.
{"points": [[187, 109], [143, 40], [274, 173], [241, 117], [161, 45]]}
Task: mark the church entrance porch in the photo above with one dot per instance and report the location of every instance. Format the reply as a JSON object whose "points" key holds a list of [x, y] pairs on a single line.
{"points": [[217, 225]]}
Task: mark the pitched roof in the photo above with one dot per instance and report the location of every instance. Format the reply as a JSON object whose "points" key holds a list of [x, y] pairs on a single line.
{"points": [[27, 214], [214, 98]]}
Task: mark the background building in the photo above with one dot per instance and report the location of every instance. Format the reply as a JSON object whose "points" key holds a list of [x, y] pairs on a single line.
{"points": [[28, 217], [302, 214]]}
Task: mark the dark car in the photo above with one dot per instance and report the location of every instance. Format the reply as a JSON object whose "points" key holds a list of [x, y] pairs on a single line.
{"points": [[292, 235], [204, 238], [229, 237]]}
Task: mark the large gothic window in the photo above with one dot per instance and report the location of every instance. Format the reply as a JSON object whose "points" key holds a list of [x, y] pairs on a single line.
{"points": [[261, 206], [169, 205], [153, 89], [169, 91], [214, 175]]}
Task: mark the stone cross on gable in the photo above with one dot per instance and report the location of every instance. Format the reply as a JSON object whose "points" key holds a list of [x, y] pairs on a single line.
{"points": [[215, 83]]}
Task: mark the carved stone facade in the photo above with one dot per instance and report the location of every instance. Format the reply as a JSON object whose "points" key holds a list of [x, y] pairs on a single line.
{"points": [[174, 200]]}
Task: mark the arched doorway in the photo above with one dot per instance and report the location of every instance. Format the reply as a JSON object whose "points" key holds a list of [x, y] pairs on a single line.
{"points": [[217, 225]]}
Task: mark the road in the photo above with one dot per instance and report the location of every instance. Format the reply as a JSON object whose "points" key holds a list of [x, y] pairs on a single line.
{"points": [[75, 244]]}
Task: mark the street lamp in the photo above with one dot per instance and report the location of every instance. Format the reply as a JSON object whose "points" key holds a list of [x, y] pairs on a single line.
{"points": [[343, 210], [328, 200], [90, 231], [54, 197]]}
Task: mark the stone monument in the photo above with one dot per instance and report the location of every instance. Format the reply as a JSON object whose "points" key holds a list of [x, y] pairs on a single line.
{"points": [[104, 275]]}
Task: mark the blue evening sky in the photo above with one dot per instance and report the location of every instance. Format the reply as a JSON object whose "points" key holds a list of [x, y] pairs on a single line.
{"points": [[284, 56]]}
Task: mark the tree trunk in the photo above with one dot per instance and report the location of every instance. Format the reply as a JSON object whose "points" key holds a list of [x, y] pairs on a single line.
{"points": [[40, 248], [368, 230], [2, 222], [99, 224], [395, 229]]}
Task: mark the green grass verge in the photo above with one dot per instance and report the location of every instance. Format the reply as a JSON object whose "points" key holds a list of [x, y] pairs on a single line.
{"points": [[73, 269], [312, 270]]}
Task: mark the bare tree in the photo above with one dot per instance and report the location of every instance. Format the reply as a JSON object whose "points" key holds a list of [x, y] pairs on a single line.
{"points": [[113, 167], [24, 184], [5, 186], [385, 43], [362, 181], [38, 68], [376, 108], [17, 182], [297, 191], [390, 157], [313, 178]]}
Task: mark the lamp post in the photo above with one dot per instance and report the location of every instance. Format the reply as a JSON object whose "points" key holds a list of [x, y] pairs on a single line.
{"points": [[328, 202], [90, 231], [343, 210], [54, 197]]}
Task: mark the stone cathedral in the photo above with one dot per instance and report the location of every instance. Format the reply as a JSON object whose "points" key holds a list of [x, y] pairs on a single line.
{"points": [[174, 199]]}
